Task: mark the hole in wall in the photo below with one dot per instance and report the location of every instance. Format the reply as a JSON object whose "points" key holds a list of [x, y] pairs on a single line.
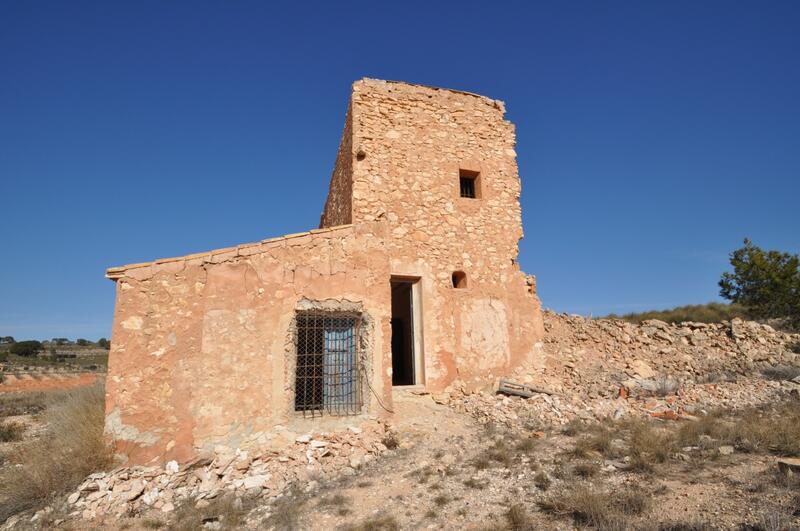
{"points": [[459, 279]]}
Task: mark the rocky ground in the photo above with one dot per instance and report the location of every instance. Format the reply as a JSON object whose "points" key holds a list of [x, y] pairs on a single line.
{"points": [[654, 427]]}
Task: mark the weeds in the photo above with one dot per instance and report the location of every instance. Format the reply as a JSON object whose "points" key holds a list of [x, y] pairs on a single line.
{"points": [[542, 480], [72, 448], [11, 431], [585, 470], [13, 404], [781, 372], [338, 502], [474, 484], [648, 446], [377, 523], [229, 511], [776, 430], [666, 386], [518, 518], [286, 512], [390, 440], [588, 507], [442, 500]]}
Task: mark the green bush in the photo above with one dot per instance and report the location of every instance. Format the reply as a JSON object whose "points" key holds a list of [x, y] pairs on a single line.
{"points": [[767, 282], [713, 312], [26, 348]]}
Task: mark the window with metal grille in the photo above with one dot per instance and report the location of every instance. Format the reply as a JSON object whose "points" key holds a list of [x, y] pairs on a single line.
{"points": [[469, 184], [327, 377]]}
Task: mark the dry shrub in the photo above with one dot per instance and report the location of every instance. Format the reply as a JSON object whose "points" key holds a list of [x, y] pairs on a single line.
{"points": [[631, 502], [286, 511], [474, 484], [390, 440], [586, 469], [781, 372], [498, 453], [13, 404], [587, 506], [11, 431], [228, 510], [649, 445], [527, 445], [666, 386], [542, 480], [72, 448], [775, 430], [518, 518], [381, 522], [574, 427]]}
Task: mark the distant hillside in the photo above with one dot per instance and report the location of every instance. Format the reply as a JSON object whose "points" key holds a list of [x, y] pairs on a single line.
{"points": [[713, 312]]}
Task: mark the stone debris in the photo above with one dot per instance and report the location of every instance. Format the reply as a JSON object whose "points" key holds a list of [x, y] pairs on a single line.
{"points": [[133, 490], [608, 368]]}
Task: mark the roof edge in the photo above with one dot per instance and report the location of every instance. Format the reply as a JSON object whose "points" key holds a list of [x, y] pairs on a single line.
{"points": [[114, 273]]}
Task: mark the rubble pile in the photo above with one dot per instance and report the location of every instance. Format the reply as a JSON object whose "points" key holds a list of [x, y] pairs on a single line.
{"points": [[137, 489], [597, 368]]}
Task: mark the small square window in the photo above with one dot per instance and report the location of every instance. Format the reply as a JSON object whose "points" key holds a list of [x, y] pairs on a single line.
{"points": [[469, 184]]}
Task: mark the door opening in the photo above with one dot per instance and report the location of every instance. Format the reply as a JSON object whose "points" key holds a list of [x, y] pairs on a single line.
{"points": [[406, 336]]}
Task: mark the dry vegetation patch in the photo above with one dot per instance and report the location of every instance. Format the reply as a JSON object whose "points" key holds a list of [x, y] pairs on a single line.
{"points": [[71, 448]]}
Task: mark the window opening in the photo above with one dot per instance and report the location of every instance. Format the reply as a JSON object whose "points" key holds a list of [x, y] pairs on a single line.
{"points": [[468, 184], [328, 371]]}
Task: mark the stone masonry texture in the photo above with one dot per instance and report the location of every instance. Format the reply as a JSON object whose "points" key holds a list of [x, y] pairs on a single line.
{"points": [[202, 352]]}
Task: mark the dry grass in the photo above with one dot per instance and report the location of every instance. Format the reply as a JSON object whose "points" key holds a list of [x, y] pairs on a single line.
{"points": [[11, 431], [286, 512], [586, 469], [498, 453], [518, 518], [377, 523], [666, 386], [390, 440], [338, 502], [72, 448], [229, 511], [542, 480], [649, 445], [774, 430], [475, 484], [13, 404], [587, 506], [781, 372]]}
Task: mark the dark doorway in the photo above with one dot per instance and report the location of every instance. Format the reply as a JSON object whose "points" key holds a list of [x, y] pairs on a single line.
{"points": [[402, 333]]}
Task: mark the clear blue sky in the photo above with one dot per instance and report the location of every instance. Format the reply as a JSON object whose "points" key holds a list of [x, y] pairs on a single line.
{"points": [[652, 136]]}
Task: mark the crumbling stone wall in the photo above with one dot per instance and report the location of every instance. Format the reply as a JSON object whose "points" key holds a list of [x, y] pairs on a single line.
{"points": [[199, 343], [412, 142], [338, 206]]}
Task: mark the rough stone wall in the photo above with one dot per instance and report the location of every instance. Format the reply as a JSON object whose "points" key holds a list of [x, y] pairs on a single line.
{"points": [[338, 206], [413, 141], [201, 344]]}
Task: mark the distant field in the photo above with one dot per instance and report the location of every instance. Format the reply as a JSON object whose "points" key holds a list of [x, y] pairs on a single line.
{"points": [[712, 312]]}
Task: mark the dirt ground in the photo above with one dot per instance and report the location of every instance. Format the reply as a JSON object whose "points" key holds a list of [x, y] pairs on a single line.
{"points": [[450, 474], [451, 471]]}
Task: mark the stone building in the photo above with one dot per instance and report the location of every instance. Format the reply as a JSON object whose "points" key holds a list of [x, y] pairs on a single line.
{"points": [[411, 279]]}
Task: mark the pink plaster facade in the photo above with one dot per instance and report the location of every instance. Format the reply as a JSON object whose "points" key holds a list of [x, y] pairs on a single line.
{"points": [[202, 349]]}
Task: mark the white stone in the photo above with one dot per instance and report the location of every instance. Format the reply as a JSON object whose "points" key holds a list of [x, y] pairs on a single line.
{"points": [[255, 481], [172, 467]]}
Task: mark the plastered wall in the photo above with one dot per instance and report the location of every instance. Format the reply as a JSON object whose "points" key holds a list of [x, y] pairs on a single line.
{"points": [[202, 345]]}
